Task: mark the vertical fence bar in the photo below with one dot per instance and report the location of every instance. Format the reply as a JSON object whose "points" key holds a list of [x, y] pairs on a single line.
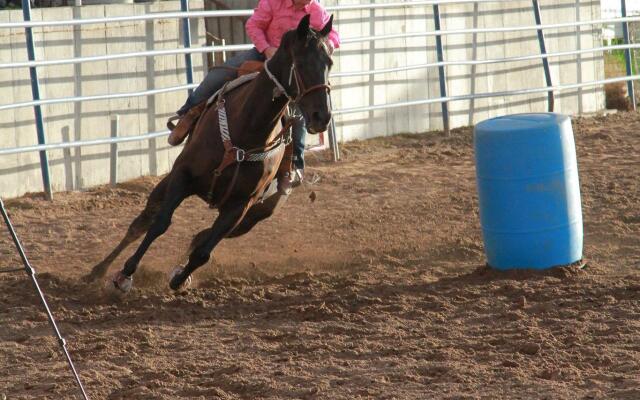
{"points": [[441, 72], [186, 31], [372, 66], [579, 57], [333, 139], [627, 54], [474, 55], [543, 51], [115, 131], [35, 90]]}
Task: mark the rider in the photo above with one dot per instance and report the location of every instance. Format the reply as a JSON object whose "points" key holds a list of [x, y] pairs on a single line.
{"points": [[271, 19]]}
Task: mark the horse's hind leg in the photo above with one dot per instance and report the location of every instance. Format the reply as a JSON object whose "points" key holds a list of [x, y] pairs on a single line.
{"points": [[177, 190], [139, 226], [259, 212], [204, 242]]}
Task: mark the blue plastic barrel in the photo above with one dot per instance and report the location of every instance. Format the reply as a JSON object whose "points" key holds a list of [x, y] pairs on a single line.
{"points": [[528, 191]]}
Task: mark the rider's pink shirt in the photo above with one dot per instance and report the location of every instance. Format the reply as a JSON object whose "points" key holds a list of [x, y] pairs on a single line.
{"points": [[273, 18]]}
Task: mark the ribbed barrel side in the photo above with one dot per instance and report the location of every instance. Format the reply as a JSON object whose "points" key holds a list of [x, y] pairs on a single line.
{"points": [[529, 192]]}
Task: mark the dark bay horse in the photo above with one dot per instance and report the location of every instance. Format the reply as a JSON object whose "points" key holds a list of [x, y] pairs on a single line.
{"points": [[298, 73]]}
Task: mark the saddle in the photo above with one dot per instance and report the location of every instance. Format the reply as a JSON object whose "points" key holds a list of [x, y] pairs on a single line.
{"points": [[186, 122], [247, 72]]}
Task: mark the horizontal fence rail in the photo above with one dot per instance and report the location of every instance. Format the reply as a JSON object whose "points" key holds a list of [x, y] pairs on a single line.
{"points": [[485, 95], [99, 97], [483, 62], [489, 30], [150, 53], [83, 143]]}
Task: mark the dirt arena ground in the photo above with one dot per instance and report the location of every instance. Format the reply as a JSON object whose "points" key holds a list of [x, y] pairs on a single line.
{"points": [[376, 290]]}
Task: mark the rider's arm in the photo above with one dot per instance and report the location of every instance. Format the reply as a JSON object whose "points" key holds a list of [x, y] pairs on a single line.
{"points": [[258, 23], [319, 17]]}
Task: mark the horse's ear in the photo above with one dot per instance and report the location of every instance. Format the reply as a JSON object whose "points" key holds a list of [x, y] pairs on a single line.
{"points": [[327, 27], [303, 27]]}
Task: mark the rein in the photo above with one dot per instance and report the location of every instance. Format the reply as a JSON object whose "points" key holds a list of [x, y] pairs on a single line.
{"points": [[279, 90], [302, 91]]}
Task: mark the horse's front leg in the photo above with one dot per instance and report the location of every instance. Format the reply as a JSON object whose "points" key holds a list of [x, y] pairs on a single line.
{"points": [[231, 213], [177, 191]]}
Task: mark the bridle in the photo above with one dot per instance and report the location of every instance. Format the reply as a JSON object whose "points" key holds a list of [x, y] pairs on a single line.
{"points": [[236, 155], [302, 89]]}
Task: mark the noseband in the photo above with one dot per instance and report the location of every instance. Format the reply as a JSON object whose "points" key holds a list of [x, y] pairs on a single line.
{"points": [[302, 89]]}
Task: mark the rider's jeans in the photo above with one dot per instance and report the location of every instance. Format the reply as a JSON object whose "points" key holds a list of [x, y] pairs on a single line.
{"points": [[298, 134], [217, 77]]}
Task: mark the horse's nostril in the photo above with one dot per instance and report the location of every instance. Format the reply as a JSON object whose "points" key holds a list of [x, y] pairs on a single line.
{"points": [[315, 116]]}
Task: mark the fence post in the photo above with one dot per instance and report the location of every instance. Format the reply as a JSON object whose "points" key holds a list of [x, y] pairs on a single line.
{"points": [[333, 140], [35, 90], [474, 55], [579, 57], [627, 54], [115, 131], [186, 30], [441, 72], [543, 51]]}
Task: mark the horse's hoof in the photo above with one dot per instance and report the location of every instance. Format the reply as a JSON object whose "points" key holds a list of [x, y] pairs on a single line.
{"points": [[177, 282], [122, 282]]}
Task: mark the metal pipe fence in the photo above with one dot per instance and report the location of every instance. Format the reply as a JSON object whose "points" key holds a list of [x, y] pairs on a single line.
{"points": [[333, 75], [153, 135], [344, 41], [187, 51]]}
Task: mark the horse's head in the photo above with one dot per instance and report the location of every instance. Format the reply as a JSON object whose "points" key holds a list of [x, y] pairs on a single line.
{"points": [[308, 80]]}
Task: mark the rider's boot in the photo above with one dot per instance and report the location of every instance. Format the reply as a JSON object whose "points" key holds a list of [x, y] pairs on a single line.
{"points": [[185, 123]]}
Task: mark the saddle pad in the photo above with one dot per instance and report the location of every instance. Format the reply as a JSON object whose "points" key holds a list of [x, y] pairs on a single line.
{"points": [[239, 81]]}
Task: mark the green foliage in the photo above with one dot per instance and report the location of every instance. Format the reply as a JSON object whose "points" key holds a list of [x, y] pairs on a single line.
{"points": [[615, 59]]}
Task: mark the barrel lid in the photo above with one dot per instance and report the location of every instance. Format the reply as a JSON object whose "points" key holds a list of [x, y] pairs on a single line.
{"points": [[516, 122]]}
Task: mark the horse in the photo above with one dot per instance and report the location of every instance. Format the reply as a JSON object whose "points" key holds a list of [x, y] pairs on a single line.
{"points": [[214, 165]]}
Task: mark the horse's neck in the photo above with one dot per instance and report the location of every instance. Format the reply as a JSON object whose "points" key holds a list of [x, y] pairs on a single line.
{"points": [[260, 112]]}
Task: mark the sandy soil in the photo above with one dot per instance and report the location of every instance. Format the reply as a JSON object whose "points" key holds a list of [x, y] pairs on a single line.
{"points": [[375, 290]]}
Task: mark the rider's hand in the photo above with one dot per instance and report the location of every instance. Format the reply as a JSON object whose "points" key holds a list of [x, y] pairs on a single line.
{"points": [[269, 52]]}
